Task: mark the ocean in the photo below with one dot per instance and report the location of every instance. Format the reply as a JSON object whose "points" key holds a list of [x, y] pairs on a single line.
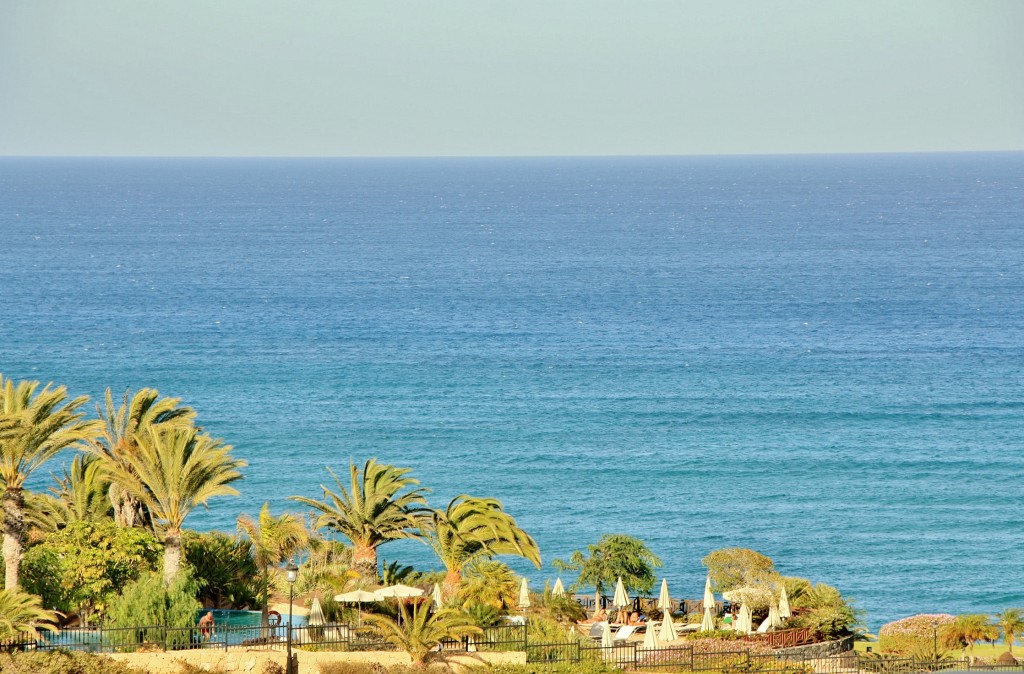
{"points": [[818, 357]]}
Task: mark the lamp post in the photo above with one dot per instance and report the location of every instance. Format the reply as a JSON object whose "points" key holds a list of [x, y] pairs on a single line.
{"points": [[293, 573], [935, 639]]}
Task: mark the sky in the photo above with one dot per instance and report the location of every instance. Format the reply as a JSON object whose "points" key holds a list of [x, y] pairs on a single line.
{"points": [[509, 77]]}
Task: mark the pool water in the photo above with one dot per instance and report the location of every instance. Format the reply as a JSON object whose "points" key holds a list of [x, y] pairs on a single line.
{"points": [[233, 618]]}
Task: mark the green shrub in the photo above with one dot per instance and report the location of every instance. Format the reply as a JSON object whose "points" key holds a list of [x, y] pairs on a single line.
{"points": [[62, 662], [148, 601], [564, 609], [224, 568], [79, 569]]}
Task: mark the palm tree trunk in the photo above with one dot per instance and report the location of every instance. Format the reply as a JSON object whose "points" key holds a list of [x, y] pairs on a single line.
{"points": [[265, 610], [364, 560], [451, 583], [172, 555], [14, 527]]}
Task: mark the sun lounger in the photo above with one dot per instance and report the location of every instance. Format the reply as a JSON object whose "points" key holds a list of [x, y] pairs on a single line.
{"points": [[624, 633], [596, 630]]}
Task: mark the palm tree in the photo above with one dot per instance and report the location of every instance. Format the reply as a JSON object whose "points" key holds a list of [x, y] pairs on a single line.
{"points": [[488, 581], [1010, 622], [274, 539], [171, 471], [967, 629], [474, 528], [35, 424], [419, 631], [80, 496], [371, 511], [23, 615], [117, 442]]}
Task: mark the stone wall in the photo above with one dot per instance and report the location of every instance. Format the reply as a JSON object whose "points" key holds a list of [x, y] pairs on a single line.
{"points": [[819, 650], [253, 662]]}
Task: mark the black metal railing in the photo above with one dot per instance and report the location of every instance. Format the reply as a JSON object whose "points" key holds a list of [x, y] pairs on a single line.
{"points": [[633, 656], [340, 636], [629, 655]]}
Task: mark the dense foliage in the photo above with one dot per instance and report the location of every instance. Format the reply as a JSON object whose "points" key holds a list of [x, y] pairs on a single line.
{"points": [[828, 612], [148, 601], [22, 616], [731, 568], [224, 568], [614, 556], [80, 568]]}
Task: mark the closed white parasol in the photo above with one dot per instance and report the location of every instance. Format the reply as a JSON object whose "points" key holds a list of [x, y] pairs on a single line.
{"points": [[784, 611], [621, 599], [668, 630], [524, 595], [707, 624]]}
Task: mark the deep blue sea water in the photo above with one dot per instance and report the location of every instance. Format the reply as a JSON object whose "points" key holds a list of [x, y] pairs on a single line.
{"points": [[821, 358]]}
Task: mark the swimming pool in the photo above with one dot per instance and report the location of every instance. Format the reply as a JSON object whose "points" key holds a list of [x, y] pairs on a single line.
{"points": [[235, 618]]}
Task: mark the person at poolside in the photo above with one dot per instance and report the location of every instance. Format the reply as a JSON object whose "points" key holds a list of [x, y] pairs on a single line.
{"points": [[206, 625], [600, 615]]}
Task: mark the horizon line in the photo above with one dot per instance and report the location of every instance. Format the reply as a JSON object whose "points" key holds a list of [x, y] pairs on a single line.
{"points": [[509, 156]]}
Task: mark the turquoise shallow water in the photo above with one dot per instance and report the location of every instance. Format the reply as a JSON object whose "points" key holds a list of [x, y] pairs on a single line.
{"points": [[817, 357]]}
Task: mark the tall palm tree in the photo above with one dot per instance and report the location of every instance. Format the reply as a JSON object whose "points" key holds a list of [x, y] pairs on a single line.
{"points": [[171, 471], [274, 539], [35, 424], [419, 630], [1010, 623], [80, 496], [23, 615], [473, 528], [371, 511], [117, 442]]}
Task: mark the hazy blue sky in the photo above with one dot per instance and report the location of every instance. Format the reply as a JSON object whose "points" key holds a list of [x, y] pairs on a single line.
{"points": [[513, 77]]}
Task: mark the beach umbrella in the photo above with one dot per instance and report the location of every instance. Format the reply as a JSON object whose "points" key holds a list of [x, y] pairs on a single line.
{"points": [[651, 637], [664, 600], [707, 624], [524, 595], [744, 622], [436, 597], [773, 621], [668, 630], [398, 591], [621, 599], [316, 614], [558, 590], [784, 611], [357, 597], [606, 636]]}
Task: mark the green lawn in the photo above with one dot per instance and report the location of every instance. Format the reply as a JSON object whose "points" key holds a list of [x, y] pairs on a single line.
{"points": [[981, 650]]}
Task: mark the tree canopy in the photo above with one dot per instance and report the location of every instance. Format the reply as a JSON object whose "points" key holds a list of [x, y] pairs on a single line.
{"points": [[612, 557], [730, 568]]}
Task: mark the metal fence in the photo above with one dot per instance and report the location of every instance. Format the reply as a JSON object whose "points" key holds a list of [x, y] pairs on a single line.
{"points": [[338, 637], [626, 655], [633, 656]]}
